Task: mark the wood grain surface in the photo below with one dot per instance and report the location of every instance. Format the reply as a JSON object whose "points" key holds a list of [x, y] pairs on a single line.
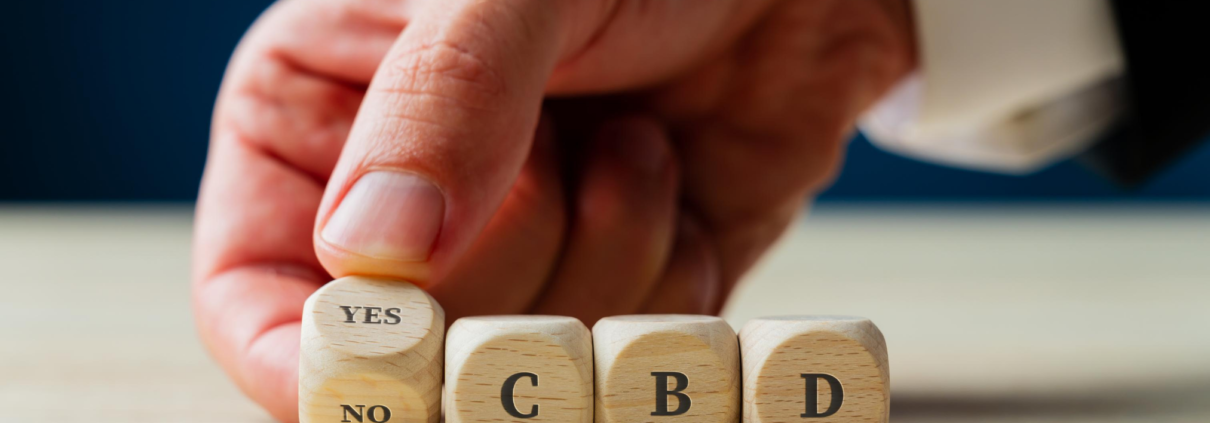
{"points": [[1026, 314], [372, 350], [630, 351], [483, 353], [844, 357]]}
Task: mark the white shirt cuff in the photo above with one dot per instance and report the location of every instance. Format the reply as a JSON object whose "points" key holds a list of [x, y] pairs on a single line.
{"points": [[1004, 85]]}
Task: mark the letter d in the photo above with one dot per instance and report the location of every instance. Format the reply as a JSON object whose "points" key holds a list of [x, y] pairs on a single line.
{"points": [[813, 394]]}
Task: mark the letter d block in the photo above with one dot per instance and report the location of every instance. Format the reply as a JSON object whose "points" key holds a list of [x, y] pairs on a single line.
{"points": [[666, 368], [518, 368], [823, 369], [371, 351]]}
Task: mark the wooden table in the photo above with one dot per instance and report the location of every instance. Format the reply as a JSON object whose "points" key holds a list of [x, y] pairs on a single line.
{"points": [[992, 314]]}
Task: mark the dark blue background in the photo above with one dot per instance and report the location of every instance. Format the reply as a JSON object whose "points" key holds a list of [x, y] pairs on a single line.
{"points": [[111, 100]]}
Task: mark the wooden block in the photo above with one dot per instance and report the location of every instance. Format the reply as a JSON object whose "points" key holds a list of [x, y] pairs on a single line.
{"points": [[823, 368], [371, 351], [518, 368], [666, 368]]}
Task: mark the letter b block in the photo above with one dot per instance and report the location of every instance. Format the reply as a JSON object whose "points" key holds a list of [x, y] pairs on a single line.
{"points": [[666, 368], [371, 351], [513, 368], [825, 369]]}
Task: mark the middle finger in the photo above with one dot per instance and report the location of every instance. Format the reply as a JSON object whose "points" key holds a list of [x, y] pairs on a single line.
{"points": [[622, 225]]}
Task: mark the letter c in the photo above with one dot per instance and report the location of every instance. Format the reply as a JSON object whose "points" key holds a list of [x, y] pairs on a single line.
{"points": [[506, 395]]}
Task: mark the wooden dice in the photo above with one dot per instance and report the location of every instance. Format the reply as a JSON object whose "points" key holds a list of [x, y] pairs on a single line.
{"points": [[826, 369], [515, 368], [371, 351], [666, 368]]}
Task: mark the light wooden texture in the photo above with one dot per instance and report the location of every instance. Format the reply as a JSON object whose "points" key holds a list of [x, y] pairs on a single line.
{"points": [[371, 346], [1067, 314], [482, 353], [628, 349], [778, 351]]}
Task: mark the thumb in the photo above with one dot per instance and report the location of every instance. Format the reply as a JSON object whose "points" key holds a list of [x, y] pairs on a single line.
{"points": [[443, 131]]}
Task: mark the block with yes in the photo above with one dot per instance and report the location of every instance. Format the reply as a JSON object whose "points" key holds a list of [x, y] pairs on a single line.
{"points": [[371, 351]]}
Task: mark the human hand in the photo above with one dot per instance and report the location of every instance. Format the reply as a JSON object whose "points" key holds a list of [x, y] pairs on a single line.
{"points": [[692, 133]]}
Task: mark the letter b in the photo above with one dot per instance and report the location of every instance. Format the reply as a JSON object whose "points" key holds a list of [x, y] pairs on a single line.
{"points": [[662, 393], [693, 360]]}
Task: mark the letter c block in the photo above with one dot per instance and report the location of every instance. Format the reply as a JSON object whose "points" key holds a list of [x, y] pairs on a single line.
{"points": [[349, 369], [666, 368], [518, 368], [814, 369]]}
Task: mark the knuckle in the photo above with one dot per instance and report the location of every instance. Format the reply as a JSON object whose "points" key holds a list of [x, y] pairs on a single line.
{"points": [[447, 73], [803, 158]]}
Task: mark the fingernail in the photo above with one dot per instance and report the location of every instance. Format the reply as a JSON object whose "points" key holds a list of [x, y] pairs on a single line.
{"points": [[637, 142], [388, 215]]}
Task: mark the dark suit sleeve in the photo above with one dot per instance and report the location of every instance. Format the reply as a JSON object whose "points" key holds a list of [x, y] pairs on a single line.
{"points": [[1167, 86]]}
